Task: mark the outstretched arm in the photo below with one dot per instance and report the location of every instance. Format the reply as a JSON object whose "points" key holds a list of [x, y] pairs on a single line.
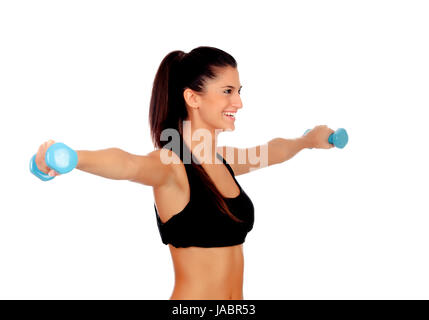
{"points": [[275, 151], [154, 169], [117, 164]]}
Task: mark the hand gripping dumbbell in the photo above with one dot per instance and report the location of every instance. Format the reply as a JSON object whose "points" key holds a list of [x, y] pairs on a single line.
{"points": [[58, 157], [339, 138]]}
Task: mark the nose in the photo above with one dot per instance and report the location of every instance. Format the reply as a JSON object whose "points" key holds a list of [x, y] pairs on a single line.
{"points": [[237, 103]]}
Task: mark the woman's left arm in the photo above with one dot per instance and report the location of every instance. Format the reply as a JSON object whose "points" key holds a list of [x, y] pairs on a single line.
{"points": [[275, 151]]}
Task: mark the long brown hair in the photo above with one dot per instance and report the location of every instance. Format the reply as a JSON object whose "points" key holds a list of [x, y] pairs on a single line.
{"points": [[177, 72]]}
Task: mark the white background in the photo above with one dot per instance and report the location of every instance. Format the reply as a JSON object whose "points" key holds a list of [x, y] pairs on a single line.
{"points": [[330, 224]]}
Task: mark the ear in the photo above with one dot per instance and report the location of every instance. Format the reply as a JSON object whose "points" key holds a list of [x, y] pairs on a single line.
{"points": [[192, 99]]}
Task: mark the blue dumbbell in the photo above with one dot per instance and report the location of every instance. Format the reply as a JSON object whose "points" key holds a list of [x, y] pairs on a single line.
{"points": [[58, 157], [339, 138]]}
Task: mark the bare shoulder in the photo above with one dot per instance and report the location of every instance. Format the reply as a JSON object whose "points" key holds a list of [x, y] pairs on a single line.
{"points": [[157, 168], [165, 157]]}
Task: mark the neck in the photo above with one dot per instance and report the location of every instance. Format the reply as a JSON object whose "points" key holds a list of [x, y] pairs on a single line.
{"points": [[201, 141]]}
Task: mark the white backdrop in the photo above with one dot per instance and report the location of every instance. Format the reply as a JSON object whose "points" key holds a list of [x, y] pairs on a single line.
{"points": [[330, 224]]}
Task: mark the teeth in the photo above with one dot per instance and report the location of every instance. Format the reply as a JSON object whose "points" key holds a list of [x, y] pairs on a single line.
{"points": [[229, 114]]}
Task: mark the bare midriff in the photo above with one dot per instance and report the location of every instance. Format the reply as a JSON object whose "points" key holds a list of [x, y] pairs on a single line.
{"points": [[208, 273]]}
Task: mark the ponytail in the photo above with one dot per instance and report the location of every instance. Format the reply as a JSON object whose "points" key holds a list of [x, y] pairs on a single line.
{"points": [[162, 113]]}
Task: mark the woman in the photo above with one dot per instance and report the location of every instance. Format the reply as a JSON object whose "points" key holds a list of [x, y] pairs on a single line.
{"points": [[202, 212]]}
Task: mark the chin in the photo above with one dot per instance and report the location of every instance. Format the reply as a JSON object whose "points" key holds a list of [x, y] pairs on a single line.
{"points": [[227, 127]]}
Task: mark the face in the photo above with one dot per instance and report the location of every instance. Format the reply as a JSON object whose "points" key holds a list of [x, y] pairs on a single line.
{"points": [[217, 106]]}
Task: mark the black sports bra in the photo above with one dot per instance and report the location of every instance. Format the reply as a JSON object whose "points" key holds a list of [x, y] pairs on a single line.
{"points": [[200, 223]]}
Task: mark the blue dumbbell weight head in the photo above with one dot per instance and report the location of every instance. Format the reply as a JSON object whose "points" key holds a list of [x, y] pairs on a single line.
{"points": [[39, 174], [339, 138], [58, 157]]}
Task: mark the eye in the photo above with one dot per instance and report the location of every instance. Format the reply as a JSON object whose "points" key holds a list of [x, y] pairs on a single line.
{"points": [[229, 91]]}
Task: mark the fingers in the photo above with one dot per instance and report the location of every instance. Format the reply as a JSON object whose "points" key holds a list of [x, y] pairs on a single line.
{"points": [[53, 173], [40, 159], [48, 143]]}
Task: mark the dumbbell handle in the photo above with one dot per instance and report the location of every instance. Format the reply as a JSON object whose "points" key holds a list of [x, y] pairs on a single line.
{"points": [[58, 157], [339, 138]]}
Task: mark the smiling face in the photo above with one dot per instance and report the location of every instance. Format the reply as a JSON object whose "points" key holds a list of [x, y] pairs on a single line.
{"points": [[217, 106]]}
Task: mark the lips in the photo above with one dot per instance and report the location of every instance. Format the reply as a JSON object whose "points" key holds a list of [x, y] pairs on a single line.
{"points": [[229, 116]]}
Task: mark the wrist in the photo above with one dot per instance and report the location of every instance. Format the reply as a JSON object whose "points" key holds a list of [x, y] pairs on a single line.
{"points": [[80, 159], [305, 142]]}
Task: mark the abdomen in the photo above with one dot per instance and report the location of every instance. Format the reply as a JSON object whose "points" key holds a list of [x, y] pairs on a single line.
{"points": [[208, 273]]}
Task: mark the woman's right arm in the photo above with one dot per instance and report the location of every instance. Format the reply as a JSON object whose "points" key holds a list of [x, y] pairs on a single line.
{"points": [[117, 164]]}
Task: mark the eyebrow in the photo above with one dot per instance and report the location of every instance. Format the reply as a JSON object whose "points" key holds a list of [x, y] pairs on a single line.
{"points": [[231, 87]]}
